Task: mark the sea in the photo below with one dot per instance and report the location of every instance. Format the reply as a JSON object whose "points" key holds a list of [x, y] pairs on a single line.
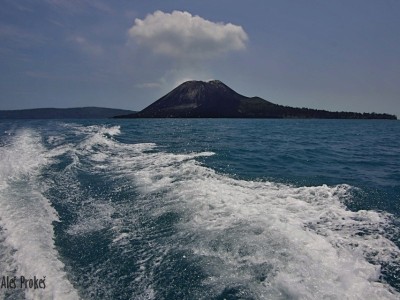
{"points": [[199, 209]]}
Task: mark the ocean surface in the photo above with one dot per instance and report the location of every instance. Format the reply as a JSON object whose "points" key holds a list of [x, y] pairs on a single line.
{"points": [[200, 209]]}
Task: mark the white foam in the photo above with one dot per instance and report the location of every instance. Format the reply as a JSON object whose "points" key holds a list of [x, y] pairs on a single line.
{"points": [[26, 217], [94, 215], [279, 240], [55, 140]]}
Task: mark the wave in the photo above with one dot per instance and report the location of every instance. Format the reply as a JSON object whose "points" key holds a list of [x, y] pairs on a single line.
{"points": [[257, 239], [26, 217], [179, 229]]}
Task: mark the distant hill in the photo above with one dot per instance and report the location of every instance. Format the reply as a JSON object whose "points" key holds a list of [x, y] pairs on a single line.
{"points": [[64, 113], [214, 99]]}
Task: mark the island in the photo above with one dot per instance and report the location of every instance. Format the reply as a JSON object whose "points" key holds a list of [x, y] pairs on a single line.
{"points": [[214, 99], [64, 113]]}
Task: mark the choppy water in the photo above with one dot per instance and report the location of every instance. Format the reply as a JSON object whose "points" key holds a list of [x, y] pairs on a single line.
{"points": [[201, 209]]}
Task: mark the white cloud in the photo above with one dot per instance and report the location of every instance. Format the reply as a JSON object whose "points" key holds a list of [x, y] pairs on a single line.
{"points": [[86, 46], [38, 74], [21, 38], [148, 85], [182, 35], [79, 6]]}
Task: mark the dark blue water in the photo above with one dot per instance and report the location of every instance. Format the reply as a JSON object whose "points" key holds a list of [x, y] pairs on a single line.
{"points": [[201, 209]]}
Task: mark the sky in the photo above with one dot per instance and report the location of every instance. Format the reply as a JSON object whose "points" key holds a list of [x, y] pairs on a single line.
{"points": [[341, 55]]}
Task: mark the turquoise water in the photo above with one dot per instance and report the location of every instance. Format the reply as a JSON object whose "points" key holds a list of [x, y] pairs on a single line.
{"points": [[201, 209]]}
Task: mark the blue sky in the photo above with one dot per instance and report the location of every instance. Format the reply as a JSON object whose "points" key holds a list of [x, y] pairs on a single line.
{"points": [[334, 55]]}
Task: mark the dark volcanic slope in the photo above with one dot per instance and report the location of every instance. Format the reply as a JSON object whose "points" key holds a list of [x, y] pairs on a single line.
{"points": [[197, 99], [213, 99], [63, 113]]}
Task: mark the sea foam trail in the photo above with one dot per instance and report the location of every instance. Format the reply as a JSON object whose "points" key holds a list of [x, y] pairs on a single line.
{"points": [[263, 239], [26, 218], [258, 240]]}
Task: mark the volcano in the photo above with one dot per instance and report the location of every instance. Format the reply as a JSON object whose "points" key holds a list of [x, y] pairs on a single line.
{"points": [[214, 99]]}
